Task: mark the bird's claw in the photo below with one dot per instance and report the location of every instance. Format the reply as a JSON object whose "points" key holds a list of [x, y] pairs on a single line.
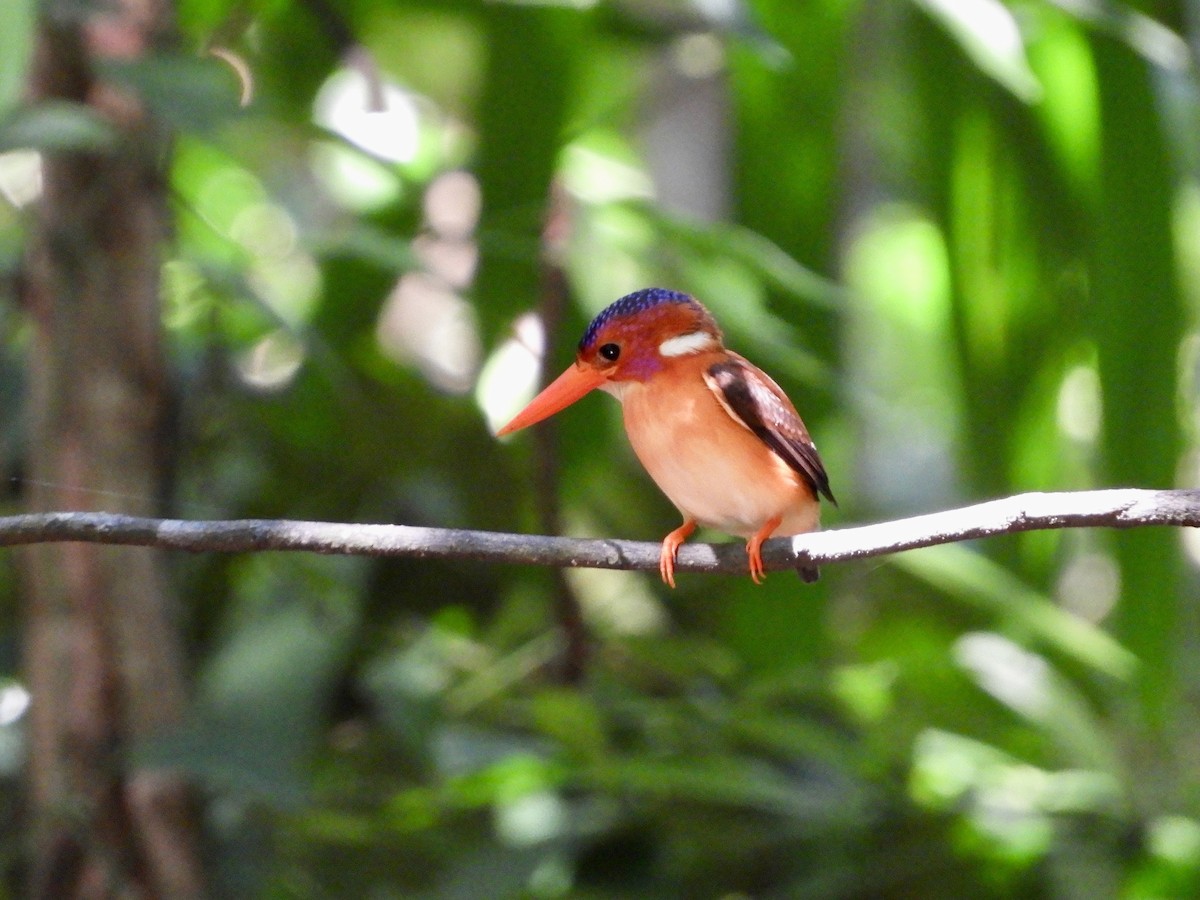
{"points": [[754, 550], [666, 563], [757, 575], [670, 547]]}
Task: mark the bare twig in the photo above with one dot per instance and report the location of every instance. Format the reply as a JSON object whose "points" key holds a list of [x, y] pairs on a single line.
{"points": [[1121, 508]]}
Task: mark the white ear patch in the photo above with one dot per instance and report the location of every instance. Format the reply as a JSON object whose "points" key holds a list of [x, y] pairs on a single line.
{"points": [[683, 344]]}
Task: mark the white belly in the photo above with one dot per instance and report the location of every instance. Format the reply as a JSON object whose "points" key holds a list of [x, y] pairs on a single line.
{"points": [[723, 477]]}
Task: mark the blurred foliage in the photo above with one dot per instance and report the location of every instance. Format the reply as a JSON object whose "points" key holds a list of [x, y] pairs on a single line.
{"points": [[964, 236]]}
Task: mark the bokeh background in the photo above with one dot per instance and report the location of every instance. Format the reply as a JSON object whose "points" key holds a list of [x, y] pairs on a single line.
{"points": [[964, 235]]}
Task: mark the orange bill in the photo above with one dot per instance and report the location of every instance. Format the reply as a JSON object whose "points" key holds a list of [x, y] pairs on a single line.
{"points": [[559, 394]]}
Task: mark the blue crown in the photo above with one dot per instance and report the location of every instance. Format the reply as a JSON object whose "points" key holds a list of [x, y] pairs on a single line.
{"points": [[638, 301]]}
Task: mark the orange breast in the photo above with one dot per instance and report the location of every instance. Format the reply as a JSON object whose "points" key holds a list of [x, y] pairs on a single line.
{"points": [[713, 468]]}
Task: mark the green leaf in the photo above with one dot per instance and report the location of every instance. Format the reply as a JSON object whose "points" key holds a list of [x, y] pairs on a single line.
{"points": [[728, 781], [263, 695], [533, 51], [976, 580], [1032, 688], [1139, 314], [507, 780], [186, 92], [760, 254], [57, 125], [572, 719], [987, 31], [17, 20]]}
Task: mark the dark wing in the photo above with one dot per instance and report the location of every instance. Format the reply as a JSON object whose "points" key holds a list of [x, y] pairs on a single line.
{"points": [[756, 401]]}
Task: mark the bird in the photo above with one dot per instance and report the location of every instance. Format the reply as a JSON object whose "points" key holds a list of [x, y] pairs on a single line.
{"points": [[717, 435]]}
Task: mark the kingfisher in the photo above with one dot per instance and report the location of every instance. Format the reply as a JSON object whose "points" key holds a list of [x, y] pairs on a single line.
{"points": [[717, 435]]}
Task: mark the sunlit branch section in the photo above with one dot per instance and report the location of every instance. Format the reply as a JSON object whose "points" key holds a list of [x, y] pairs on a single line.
{"points": [[1120, 508]]}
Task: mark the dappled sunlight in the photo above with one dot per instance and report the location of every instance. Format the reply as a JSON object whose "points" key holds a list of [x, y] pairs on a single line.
{"points": [[1175, 839], [699, 55], [21, 177], [357, 182], [272, 362], [598, 169], [289, 283], [1012, 675], [265, 229], [425, 323], [240, 220], [1011, 804], [897, 264], [452, 204], [1190, 477], [1191, 544], [396, 128], [616, 602], [14, 705], [607, 254], [509, 378], [14, 702], [1079, 404], [989, 31], [390, 131], [233, 220], [962, 235], [223, 189], [1089, 585], [531, 818], [447, 249], [898, 258], [1149, 37]]}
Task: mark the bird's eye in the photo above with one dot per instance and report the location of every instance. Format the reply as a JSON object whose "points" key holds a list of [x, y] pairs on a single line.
{"points": [[610, 352]]}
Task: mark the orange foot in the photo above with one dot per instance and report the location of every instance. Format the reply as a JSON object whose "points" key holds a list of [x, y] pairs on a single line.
{"points": [[670, 546], [754, 549]]}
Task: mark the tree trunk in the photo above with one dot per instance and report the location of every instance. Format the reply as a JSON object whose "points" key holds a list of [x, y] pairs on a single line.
{"points": [[101, 650]]}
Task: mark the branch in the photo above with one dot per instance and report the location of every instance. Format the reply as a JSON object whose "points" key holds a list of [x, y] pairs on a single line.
{"points": [[1121, 508]]}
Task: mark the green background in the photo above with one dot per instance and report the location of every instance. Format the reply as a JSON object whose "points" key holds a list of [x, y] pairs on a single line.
{"points": [[965, 238]]}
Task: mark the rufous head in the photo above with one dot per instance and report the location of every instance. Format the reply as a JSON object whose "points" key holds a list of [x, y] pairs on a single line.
{"points": [[630, 340]]}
